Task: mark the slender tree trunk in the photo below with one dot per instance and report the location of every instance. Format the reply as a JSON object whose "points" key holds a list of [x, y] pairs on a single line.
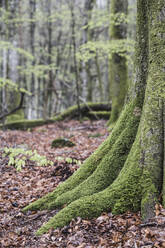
{"points": [[49, 82], [74, 58], [118, 66], [5, 66], [87, 36], [32, 106], [58, 61], [50, 55], [99, 78]]}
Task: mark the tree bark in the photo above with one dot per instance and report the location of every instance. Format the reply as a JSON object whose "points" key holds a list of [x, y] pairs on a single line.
{"points": [[126, 171], [118, 63], [99, 78]]}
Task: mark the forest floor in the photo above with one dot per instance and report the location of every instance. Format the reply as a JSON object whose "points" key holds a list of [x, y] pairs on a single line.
{"points": [[17, 189]]}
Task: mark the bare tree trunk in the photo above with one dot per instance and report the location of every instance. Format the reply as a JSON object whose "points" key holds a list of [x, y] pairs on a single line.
{"points": [[74, 57], [32, 111], [49, 82], [5, 65]]}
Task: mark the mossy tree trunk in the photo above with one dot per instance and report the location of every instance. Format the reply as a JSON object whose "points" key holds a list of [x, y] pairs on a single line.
{"points": [[126, 171], [118, 64]]}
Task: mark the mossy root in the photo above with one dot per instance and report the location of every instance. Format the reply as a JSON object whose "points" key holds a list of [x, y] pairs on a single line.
{"points": [[118, 198], [131, 190], [108, 169], [87, 168]]}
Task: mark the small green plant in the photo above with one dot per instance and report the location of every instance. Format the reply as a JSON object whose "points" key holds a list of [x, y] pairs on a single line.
{"points": [[18, 157]]}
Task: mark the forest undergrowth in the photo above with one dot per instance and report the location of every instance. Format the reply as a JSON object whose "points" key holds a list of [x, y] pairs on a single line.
{"points": [[18, 188]]}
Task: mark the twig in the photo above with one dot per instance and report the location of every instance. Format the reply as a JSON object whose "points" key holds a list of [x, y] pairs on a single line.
{"points": [[152, 224]]}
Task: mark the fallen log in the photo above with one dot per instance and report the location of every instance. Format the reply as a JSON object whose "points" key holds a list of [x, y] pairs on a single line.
{"points": [[92, 111]]}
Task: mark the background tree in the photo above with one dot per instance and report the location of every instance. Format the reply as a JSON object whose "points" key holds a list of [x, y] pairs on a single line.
{"points": [[126, 171], [118, 65], [87, 36], [77, 78]]}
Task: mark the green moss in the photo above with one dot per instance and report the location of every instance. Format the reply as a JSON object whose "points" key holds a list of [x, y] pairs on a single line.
{"points": [[157, 84], [62, 142], [153, 127], [111, 126], [108, 169]]}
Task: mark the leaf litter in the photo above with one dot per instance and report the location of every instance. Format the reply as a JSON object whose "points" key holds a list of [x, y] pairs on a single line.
{"points": [[20, 188]]}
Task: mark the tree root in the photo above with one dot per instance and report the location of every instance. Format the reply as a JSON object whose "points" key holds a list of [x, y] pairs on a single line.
{"points": [[95, 160], [122, 195], [132, 190], [87, 168], [106, 172], [113, 178]]}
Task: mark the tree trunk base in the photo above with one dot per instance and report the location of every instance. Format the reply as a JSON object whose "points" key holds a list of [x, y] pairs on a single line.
{"points": [[111, 179]]}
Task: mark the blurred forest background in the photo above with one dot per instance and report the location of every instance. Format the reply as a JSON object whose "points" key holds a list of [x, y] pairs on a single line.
{"points": [[55, 54]]}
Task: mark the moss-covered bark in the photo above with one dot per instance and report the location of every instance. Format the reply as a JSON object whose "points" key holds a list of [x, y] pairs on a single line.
{"points": [[126, 171], [109, 167], [152, 141], [118, 64]]}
